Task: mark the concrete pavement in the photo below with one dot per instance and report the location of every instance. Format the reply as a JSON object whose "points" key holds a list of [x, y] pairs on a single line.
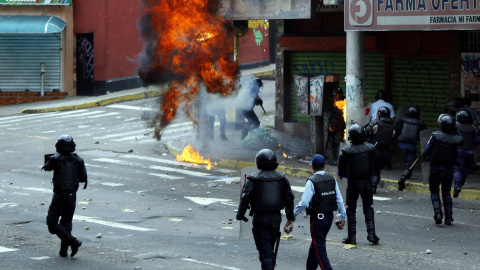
{"points": [[230, 153]]}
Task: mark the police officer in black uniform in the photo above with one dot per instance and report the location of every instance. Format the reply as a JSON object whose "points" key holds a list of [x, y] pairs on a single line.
{"points": [[465, 164], [442, 151], [356, 162], [408, 135], [68, 170], [266, 192], [381, 134], [336, 126]]}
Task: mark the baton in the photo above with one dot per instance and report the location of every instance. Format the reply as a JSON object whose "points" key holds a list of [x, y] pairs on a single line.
{"points": [[415, 162], [276, 250], [263, 109]]}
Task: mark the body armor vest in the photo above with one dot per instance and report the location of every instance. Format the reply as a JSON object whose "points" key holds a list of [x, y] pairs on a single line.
{"points": [[66, 176], [360, 161], [325, 198], [271, 189], [444, 153], [410, 131], [468, 134], [383, 137]]}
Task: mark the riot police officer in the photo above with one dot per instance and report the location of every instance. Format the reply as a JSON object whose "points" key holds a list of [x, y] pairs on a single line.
{"points": [[408, 135], [266, 192], [356, 163], [68, 170], [465, 161], [381, 134], [336, 126], [442, 151]]}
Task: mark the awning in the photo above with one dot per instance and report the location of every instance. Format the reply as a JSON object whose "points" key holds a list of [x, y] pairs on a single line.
{"points": [[31, 24]]}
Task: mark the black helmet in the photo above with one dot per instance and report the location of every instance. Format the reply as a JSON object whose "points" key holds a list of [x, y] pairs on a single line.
{"points": [[467, 101], [447, 124], [383, 112], [380, 95], [464, 117], [65, 144], [338, 91], [356, 134], [256, 82], [266, 160], [414, 112]]}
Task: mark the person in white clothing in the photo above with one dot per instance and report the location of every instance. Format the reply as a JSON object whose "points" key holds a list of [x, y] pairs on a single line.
{"points": [[380, 97]]}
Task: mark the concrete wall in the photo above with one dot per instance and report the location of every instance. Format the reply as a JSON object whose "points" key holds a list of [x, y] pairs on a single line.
{"points": [[65, 13], [116, 36]]}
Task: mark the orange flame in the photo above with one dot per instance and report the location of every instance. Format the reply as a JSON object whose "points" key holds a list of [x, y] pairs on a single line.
{"points": [[190, 155], [342, 105], [284, 155], [187, 43]]}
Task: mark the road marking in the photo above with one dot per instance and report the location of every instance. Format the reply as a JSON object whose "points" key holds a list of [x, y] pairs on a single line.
{"points": [[119, 135], [210, 264], [192, 173], [103, 115], [422, 217], [129, 107], [226, 171], [4, 249], [230, 179], [112, 184], [377, 198], [40, 258], [206, 201], [166, 176], [80, 114], [111, 224], [4, 205], [159, 160]]}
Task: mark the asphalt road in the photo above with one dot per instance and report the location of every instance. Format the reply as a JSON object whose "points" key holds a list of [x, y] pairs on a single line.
{"points": [[144, 210]]}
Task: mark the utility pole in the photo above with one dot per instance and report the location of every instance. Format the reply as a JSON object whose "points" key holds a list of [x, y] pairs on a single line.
{"points": [[355, 74]]}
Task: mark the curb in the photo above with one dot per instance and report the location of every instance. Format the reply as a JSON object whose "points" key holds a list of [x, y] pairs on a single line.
{"points": [[98, 103], [468, 194]]}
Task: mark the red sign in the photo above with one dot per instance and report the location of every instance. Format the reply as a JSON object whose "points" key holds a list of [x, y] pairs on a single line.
{"points": [[378, 15]]}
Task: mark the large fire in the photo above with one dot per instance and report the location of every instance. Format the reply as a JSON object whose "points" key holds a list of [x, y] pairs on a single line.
{"points": [[190, 155], [186, 44], [341, 105]]}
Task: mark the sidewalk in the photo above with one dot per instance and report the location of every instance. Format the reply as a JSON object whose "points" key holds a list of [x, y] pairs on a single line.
{"points": [[230, 153]]}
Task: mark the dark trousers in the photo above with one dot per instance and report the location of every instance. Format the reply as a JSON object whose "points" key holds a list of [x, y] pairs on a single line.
{"points": [[63, 205], [409, 156], [441, 178], [463, 167], [317, 254], [354, 190], [382, 158], [266, 229], [252, 121]]}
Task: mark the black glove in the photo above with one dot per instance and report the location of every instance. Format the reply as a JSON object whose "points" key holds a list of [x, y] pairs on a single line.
{"points": [[258, 101], [241, 217]]}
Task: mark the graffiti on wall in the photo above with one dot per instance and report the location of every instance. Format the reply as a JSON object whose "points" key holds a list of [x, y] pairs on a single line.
{"points": [[315, 67], [259, 26], [425, 85], [85, 56], [470, 72]]}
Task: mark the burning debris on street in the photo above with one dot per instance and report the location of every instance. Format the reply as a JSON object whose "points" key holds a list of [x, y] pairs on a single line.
{"points": [[187, 46]]}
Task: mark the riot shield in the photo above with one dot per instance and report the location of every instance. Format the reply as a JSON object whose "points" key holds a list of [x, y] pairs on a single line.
{"points": [[424, 137], [400, 113], [246, 227]]}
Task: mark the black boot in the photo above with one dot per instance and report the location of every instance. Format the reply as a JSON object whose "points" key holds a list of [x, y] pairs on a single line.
{"points": [[63, 249], [437, 209], [401, 183], [372, 237], [75, 244], [352, 233], [448, 213], [456, 191]]}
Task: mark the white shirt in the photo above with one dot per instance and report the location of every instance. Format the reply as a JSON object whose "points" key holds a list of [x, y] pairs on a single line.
{"points": [[377, 105]]}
